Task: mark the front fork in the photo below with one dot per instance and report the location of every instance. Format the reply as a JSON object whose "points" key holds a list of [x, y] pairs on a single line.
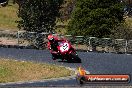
{"points": [[72, 51]]}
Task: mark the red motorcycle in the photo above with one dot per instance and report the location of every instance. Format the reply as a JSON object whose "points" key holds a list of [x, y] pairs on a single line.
{"points": [[67, 52]]}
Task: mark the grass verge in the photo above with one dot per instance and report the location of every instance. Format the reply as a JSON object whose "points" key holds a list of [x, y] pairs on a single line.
{"points": [[8, 17], [12, 71]]}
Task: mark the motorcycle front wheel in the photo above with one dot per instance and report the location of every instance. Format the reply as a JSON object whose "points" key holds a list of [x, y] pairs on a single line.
{"points": [[74, 58]]}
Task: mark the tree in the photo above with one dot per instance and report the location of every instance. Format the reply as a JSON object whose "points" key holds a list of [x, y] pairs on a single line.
{"points": [[123, 31], [128, 7], [66, 9], [38, 16], [95, 17], [128, 2]]}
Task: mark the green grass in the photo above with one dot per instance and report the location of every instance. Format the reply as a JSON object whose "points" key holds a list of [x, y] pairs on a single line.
{"points": [[13, 71], [8, 17]]}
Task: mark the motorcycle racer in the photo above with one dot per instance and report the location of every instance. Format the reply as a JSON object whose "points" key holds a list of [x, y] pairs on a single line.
{"points": [[62, 49], [52, 45]]}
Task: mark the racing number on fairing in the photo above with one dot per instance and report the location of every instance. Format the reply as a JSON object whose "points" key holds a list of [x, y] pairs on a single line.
{"points": [[65, 46]]}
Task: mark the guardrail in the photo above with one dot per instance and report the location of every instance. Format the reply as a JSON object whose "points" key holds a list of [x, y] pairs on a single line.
{"points": [[39, 40]]}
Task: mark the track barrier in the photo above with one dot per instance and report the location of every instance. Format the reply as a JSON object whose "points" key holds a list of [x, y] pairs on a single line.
{"points": [[23, 39]]}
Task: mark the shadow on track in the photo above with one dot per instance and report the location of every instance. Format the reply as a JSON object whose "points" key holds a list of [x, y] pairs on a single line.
{"points": [[65, 61]]}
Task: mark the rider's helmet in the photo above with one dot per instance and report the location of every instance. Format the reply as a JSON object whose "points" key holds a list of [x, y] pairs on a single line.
{"points": [[51, 38]]}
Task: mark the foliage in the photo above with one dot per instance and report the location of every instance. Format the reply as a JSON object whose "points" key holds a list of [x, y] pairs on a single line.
{"points": [[38, 15], [127, 2], [66, 9], [124, 30], [95, 17]]}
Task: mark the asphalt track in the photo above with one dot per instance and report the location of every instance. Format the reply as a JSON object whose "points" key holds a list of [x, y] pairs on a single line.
{"points": [[95, 63]]}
